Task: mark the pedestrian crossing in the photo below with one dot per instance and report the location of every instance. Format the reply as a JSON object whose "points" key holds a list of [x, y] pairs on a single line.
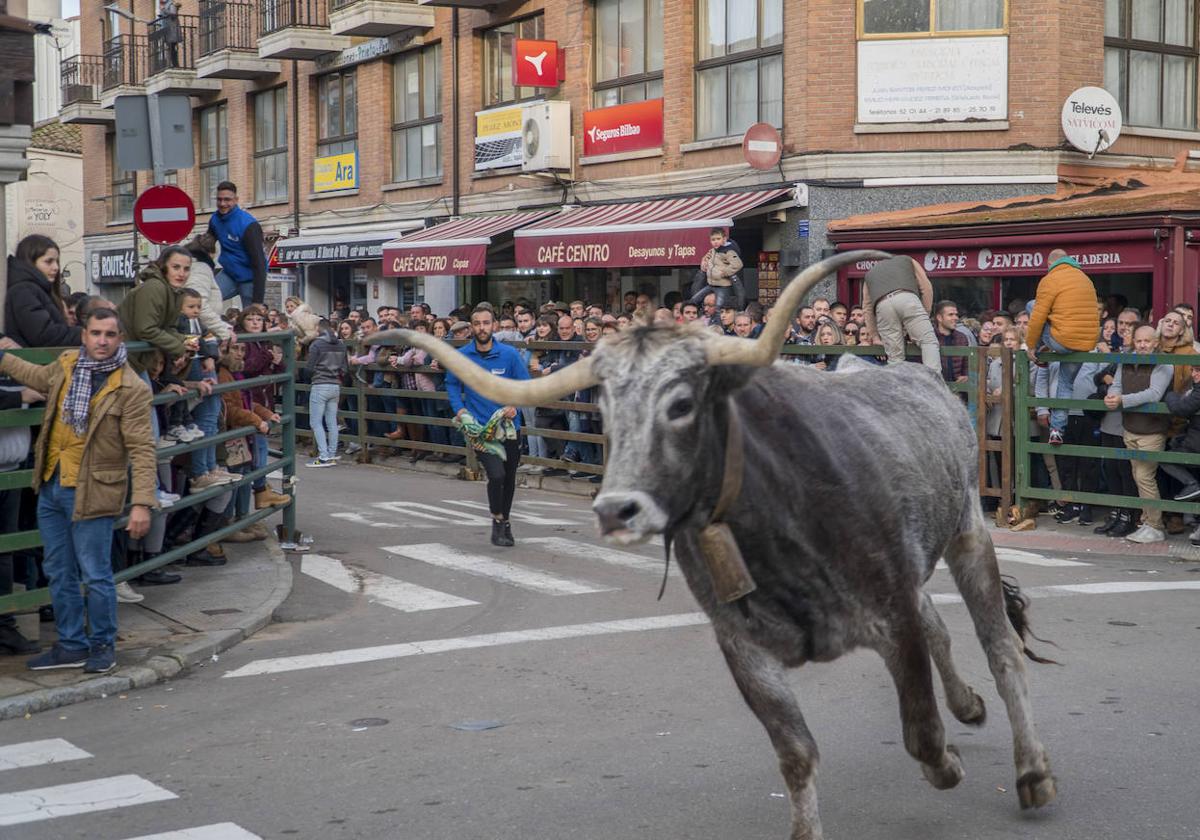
{"points": [[89, 796]]}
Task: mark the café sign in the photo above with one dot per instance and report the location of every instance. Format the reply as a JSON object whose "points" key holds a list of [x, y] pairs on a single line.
{"points": [[1024, 261]]}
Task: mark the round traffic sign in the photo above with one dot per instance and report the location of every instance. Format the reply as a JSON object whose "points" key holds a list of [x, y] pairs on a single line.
{"points": [[1091, 120], [164, 214], [762, 146]]}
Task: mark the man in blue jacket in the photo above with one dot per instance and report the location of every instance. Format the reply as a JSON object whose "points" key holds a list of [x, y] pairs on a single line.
{"points": [[500, 448], [243, 261]]}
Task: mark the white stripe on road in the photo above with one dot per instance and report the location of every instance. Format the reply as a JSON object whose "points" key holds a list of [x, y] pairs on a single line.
{"points": [[36, 753], [515, 515], [1028, 558], [542, 504], [397, 594], [437, 514], [1064, 589], [399, 651], [359, 519], [448, 557], [28, 806], [216, 831], [627, 559]]}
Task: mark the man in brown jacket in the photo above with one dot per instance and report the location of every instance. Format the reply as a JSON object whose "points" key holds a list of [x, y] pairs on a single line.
{"points": [[97, 424]]}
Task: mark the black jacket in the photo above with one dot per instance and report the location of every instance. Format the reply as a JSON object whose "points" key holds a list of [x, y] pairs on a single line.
{"points": [[31, 317], [1187, 405]]}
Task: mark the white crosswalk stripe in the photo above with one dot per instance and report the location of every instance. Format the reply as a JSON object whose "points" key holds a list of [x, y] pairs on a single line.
{"points": [[37, 753], [1028, 558], [449, 557], [397, 594], [78, 798], [90, 796], [587, 551], [216, 831], [433, 513], [515, 515]]}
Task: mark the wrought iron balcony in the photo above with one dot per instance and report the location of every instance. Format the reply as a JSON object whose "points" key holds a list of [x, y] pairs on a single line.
{"points": [[377, 18], [173, 43], [296, 29], [82, 77], [229, 42], [126, 60]]}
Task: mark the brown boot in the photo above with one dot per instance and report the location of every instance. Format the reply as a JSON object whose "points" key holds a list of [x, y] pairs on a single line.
{"points": [[267, 497], [242, 536]]}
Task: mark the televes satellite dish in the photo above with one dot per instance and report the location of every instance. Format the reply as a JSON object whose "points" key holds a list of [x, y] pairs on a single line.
{"points": [[1091, 120]]}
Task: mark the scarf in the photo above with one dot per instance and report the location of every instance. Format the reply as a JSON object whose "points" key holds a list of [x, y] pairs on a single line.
{"points": [[79, 395], [1071, 261], [485, 438]]}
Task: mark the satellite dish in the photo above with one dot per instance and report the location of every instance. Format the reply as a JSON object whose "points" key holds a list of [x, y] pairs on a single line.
{"points": [[1091, 120]]}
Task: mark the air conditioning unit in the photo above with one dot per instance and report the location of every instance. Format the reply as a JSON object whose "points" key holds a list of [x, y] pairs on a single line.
{"points": [[546, 136]]}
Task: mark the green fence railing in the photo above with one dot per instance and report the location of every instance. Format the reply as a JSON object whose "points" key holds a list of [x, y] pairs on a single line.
{"points": [[1025, 402], [24, 540]]}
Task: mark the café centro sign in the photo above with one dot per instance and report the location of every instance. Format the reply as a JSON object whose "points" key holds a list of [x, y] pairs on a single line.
{"points": [[335, 172], [972, 261]]}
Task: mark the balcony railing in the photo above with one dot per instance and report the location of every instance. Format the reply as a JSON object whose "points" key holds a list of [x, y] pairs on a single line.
{"points": [[173, 43], [125, 61], [82, 77], [285, 14], [226, 26]]}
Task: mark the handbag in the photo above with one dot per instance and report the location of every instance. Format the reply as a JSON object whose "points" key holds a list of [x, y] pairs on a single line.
{"points": [[237, 452]]}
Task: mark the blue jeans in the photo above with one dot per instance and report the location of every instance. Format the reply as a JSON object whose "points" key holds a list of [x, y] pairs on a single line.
{"points": [[260, 454], [1067, 371], [239, 501], [230, 287], [537, 443], [77, 552], [585, 453], [205, 414], [322, 413]]}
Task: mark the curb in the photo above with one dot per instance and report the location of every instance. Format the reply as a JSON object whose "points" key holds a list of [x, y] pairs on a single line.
{"points": [[1071, 543], [166, 662]]}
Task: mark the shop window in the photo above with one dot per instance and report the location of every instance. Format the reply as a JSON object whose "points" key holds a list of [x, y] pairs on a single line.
{"points": [[888, 18], [270, 146], [739, 75], [1150, 61], [122, 187], [214, 153], [417, 115], [498, 88], [629, 51], [337, 118]]}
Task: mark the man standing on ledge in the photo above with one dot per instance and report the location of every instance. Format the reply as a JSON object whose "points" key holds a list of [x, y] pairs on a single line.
{"points": [[897, 298], [243, 261], [97, 423], [491, 429]]}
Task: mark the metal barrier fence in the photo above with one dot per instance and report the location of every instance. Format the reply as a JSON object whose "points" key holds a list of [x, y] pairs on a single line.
{"points": [[1026, 447], [81, 78], [226, 26], [275, 15], [24, 540], [360, 396]]}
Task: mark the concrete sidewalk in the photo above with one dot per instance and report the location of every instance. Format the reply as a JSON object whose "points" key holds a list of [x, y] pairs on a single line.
{"points": [[175, 628]]}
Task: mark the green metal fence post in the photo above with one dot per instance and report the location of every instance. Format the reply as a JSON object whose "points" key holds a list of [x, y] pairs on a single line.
{"points": [[289, 436], [1020, 424]]}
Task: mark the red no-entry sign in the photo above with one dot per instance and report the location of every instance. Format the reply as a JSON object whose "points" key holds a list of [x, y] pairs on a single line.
{"points": [[164, 214]]}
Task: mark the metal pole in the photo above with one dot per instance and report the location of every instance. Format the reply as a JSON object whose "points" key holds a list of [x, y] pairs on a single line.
{"points": [[454, 173], [296, 146], [156, 139], [289, 436]]}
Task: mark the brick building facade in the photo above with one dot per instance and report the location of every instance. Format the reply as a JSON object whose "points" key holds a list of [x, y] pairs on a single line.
{"points": [[824, 71]]}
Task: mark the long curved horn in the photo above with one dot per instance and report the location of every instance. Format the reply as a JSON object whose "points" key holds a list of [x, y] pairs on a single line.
{"points": [[570, 379], [727, 350]]}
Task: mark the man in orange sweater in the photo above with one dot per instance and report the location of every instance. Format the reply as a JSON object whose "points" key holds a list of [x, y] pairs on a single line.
{"points": [[1063, 319]]}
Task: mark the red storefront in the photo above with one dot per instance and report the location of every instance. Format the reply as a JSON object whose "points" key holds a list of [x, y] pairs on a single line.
{"points": [[986, 257]]}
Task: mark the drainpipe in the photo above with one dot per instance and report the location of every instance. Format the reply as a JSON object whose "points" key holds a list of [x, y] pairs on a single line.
{"points": [[296, 146], [454, 175]]}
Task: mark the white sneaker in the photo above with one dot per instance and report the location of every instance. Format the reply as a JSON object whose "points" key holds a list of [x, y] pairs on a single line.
{"points": [[179, 433], [165, 442], [165, 499], [225, 475], [195, 431], [126, 595], [1147, 534]]}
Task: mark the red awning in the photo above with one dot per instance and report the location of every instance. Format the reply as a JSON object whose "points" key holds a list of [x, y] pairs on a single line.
{"points": [[645, 233], [456, 247]]}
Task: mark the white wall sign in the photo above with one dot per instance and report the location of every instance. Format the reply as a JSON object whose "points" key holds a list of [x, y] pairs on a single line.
{"points": [[1091, 120], [918, 80]]}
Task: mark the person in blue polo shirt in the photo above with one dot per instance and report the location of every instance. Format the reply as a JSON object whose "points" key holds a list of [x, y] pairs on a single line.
{"points": [[493, 430], [243, 261]]}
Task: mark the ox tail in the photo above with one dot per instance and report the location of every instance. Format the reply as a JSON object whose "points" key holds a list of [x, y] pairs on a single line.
{"points": [[1016, 604]]}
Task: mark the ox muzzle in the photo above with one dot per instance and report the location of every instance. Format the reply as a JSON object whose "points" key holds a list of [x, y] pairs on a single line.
{"points": [[629, 516]]}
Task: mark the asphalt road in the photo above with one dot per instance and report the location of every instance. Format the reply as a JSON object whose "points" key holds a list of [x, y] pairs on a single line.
{"points": [[423, 685]]}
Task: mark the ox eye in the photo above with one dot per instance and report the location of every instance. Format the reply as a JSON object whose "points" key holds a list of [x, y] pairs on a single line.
{"points": [[680, 408]]}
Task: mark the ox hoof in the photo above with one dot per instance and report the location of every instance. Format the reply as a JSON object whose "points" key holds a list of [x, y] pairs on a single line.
{"points": [[1036, 789], [974, 713], [949, 774]]}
